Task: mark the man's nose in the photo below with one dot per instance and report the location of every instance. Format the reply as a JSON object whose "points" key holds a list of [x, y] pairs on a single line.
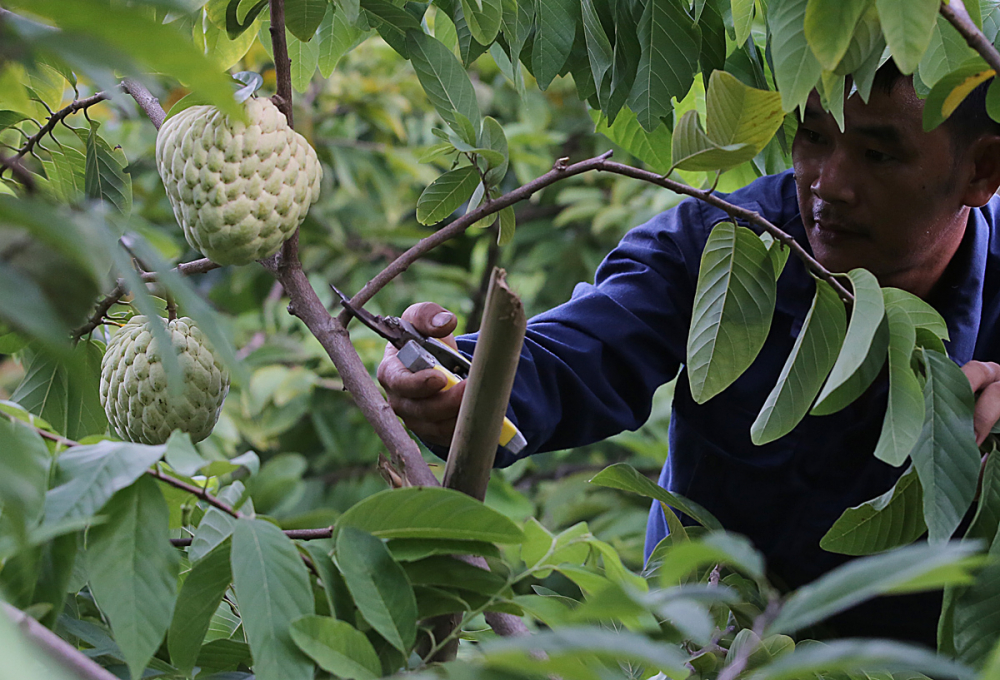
{"points": [[836, 180]]}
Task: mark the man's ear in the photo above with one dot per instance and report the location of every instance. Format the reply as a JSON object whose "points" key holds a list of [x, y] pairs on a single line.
{"points": [[985, 179]]}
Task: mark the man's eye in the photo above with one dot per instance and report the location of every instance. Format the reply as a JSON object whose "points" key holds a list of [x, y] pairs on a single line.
{"points": [[811, 136], [877, 156]]}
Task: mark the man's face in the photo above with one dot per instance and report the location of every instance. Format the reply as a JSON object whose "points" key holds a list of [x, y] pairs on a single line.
{"points": [[882, 194]]}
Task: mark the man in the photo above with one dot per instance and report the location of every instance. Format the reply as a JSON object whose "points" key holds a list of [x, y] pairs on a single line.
{"points": [[916, 208]]}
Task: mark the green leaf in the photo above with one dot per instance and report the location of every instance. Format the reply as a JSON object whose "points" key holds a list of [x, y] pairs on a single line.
{"points": [[812, 356], [508, 221], [976, 619], [272, 589], [392, 23], [216, 525], [733, 305], [796, 68], [555, 30], [987, 519], [412, 549], [691, 149], [893, 519], [743, 11], [24, 471], [379, 587], [215, 43], [738, 114], [425, 512], [444, 571], [867, 336], [907, 25], [65, 392], [182, 456], [910, 569], [921, 314], [829, 28], [483, 18], [200, 596], [952, 89], [493, 138], [133, 570], [337, 647], [305, 58], [860, 656], [946, 456], [652, 148], [66, 171], [91, 475], [864, 51], [445, 81], [625, 477], [670, 43], [302, 17], [446, 194], [335, 37], [904, 415], [680, 559], [535, 654], [947, 52], [130, 30], [600, 54]]}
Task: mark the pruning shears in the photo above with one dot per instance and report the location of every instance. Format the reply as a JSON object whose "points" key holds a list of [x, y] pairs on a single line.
{"points": [[418, 352]]}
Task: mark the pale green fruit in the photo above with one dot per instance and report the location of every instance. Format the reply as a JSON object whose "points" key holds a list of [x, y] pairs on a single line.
{"points": [[134, 390], [238, 190]]}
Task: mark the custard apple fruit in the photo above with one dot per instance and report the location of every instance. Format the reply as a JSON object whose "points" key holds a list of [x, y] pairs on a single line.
{"points": [[134, 391], [238, 190]]}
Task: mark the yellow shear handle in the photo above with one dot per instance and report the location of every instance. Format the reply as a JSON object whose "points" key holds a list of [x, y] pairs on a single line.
{"points": [[507, 432]]}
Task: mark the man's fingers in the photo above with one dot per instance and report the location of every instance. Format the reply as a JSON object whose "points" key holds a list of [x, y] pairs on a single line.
{"points": [[981, 374], [397, 380], [987, 411], [432, 319]]}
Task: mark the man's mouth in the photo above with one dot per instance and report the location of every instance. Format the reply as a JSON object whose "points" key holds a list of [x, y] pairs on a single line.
{"points": [[835, 226]]}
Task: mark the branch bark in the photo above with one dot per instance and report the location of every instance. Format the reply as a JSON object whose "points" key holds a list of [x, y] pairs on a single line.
{"points": [[480, 418], [561, 170], [68, 657], [282, 64], [146, 101]]}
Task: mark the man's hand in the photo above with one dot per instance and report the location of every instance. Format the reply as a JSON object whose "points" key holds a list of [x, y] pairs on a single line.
{"points": [[984, 376], [417, 397]]}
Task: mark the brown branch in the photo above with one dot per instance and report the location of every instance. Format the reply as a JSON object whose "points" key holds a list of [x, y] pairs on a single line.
{"points": [[50, 124], [97, 318], [146, 101], [282, 64], [20, 173], [294, 534], [68, 657], [957, 15], [561, 170], [195, 491]]}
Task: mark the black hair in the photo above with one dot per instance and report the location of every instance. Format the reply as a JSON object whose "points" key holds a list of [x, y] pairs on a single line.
{"points": [[967, 123]]}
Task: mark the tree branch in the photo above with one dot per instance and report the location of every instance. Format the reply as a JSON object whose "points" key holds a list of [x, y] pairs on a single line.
{"points": [[957, 15], [97, 318], [146, 101], [69, 658], [195, 491], [50, 124], [561, 170], [282, 64], [20, 173]]}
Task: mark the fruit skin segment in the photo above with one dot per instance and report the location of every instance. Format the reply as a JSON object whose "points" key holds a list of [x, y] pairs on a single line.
{"points": [[237, 189], [134, 393]]}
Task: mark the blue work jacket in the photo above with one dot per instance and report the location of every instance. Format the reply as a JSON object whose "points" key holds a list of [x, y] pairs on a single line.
{"points": [[589, 368]]}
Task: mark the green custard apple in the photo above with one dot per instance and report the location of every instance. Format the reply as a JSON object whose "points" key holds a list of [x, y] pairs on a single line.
{"points": [[238, 189], [134, 391]]}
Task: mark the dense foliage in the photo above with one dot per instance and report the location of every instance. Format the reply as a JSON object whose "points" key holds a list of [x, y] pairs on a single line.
{"points": [[290, 555]]}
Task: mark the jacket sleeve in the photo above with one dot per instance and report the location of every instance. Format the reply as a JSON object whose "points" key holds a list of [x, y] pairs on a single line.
{"points": [[590, 366]]}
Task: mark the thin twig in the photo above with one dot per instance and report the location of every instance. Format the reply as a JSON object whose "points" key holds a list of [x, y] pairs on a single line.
{"points": [[294, 534], [50, 124], [146, 101], [562, 170], [282, 64], [68, 657], [97, 318], [20, 173], [760, 624], [957, 15]]}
